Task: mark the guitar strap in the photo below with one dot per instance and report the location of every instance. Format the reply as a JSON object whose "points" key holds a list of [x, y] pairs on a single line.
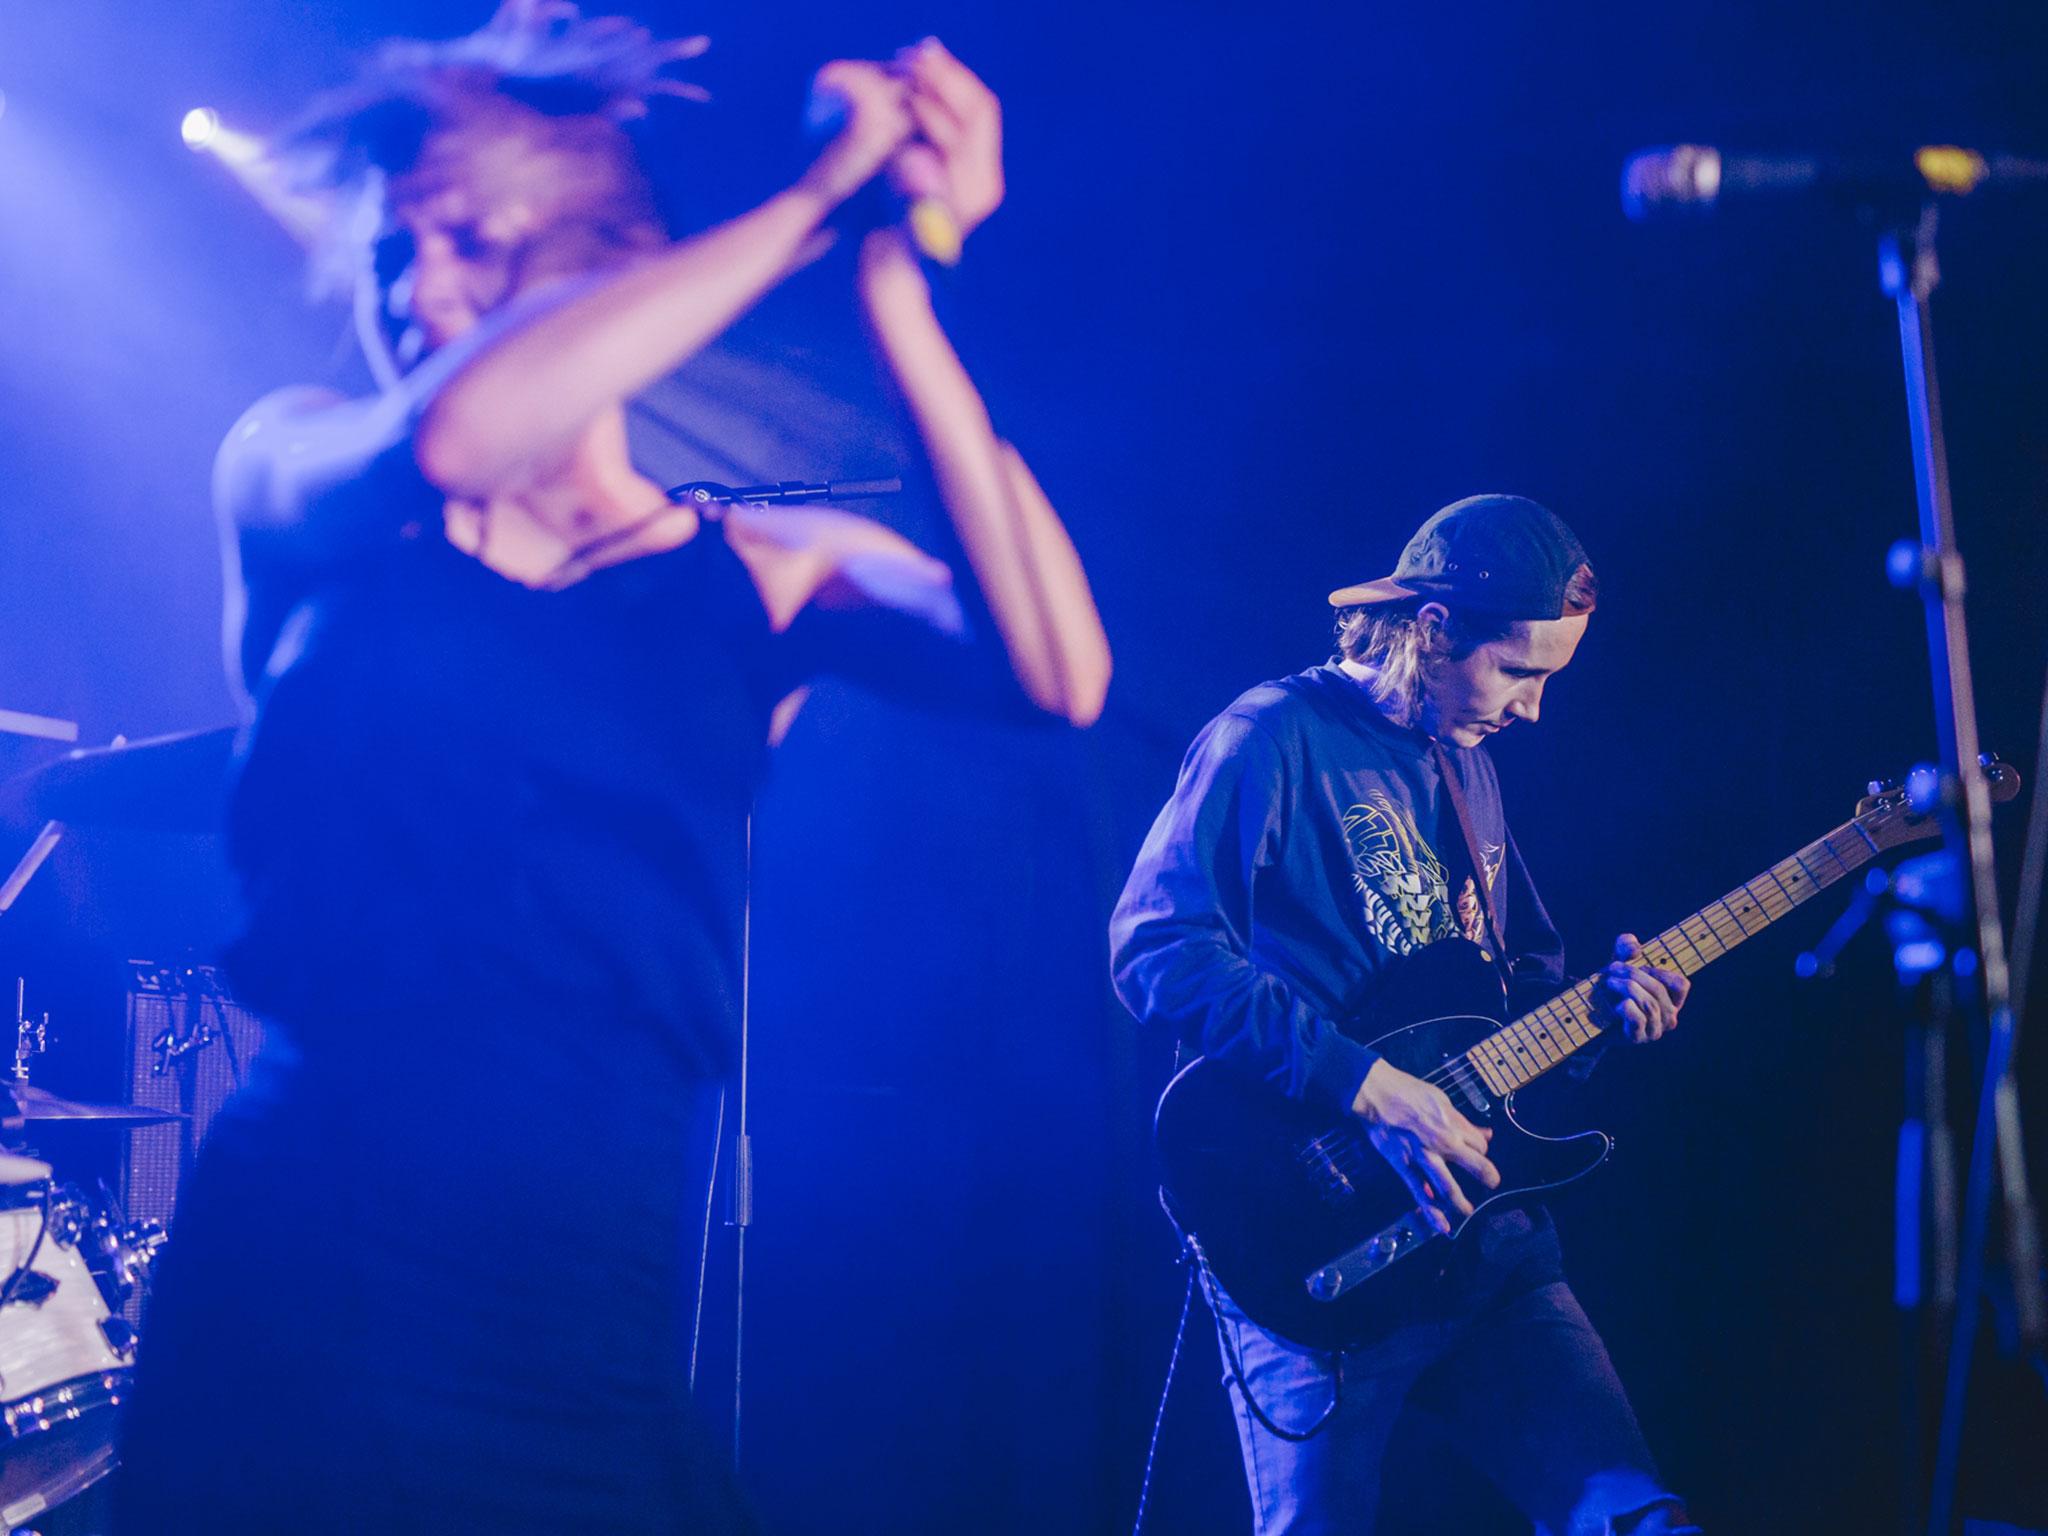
{"points": [[1447, 771]]}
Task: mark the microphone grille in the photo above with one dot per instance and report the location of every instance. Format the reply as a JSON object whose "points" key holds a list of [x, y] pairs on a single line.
{"points": [[1675, 176]]}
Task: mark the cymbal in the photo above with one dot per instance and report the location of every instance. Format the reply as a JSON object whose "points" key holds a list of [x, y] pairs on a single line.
{"points": [[16, 1170], [35, 1105], [167, 783]]}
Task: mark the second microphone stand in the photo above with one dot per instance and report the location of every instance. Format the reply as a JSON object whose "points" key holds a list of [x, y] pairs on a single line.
{"points": [[1910, 272]]}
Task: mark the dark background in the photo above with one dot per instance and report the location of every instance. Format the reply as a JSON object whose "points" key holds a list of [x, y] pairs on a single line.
{"points": [[1272, 284]]}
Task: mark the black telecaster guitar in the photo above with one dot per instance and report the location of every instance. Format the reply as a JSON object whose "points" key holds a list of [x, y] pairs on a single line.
{"points": [[1311, 1231]]}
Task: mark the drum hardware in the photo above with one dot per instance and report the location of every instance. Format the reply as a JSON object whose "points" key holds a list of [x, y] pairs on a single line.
{"points": [[27, 1287], [65, 1359], [120, 1253], [73, 1264], [26, 1283], [13, 799], [19, 722], [164, 784], [31, 1036], [33, 1105]]}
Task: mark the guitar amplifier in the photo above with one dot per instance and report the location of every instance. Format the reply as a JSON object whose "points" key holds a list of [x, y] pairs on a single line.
{"points": [[190, 1046]]}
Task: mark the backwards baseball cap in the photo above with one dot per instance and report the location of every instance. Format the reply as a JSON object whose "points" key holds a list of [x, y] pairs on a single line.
{"points": [[1506, 555]]}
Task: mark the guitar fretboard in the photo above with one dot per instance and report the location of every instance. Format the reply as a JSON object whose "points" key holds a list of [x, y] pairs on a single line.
{"points": [[1521, 1052]]}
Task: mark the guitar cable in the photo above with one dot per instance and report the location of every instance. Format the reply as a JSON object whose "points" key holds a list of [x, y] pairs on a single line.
{"points": [[1198, 1270], [1180, 1333], [1234, 1375]]}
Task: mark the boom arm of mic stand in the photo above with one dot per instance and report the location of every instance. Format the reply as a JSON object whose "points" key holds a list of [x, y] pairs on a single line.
{"points": [[710, 493], [1819, 962]]}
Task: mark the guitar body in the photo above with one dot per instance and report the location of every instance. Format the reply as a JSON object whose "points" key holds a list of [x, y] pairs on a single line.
{"points": [[1302, 1221], [1311, 1231]]}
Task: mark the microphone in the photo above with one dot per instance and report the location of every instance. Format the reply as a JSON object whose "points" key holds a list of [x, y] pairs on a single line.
{"points": [[934, 232], [890, 198], [1694, 177]]}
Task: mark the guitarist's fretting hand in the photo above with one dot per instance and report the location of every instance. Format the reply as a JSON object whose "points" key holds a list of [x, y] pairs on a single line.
{"points": [[1417, 1129], [1642, 1000]]}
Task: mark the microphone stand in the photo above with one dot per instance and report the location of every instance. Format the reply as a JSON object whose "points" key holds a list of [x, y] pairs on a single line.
{"points": [[711, 498], [1910, 272], [1920, 908]]}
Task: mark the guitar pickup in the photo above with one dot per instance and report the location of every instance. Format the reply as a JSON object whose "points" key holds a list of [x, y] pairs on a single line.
{"points": [[1476, 1101], [1320, 1161], [1342, 1274]]}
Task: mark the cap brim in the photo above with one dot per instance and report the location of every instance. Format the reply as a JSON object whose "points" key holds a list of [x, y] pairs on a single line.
{"points": [[1385, 590]]}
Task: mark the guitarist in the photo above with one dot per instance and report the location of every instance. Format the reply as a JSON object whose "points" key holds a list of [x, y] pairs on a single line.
{"points": [[1325, 826]]}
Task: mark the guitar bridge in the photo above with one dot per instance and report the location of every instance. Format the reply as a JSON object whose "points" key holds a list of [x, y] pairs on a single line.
{"points": [[1343, 1274]]}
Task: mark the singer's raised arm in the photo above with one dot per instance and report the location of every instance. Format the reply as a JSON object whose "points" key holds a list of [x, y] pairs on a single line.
{"points": [[1029, 574], [514, 415], [516, 408]]}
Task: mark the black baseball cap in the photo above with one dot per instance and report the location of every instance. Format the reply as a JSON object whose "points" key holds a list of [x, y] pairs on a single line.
{"points": [[1506, 555]]}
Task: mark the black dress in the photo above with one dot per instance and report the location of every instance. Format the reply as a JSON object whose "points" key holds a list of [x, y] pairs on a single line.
{"points": [[433, 1270]]}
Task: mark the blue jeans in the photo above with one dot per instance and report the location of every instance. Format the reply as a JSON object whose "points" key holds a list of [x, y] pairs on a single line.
{"points": [[1523, 1386]]}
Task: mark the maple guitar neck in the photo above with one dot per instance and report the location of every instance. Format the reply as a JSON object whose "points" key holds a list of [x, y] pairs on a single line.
{"points": [[1525, 1049]]}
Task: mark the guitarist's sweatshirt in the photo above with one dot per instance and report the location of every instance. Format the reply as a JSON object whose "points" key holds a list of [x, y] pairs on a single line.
{"points": [[1307, 849]]}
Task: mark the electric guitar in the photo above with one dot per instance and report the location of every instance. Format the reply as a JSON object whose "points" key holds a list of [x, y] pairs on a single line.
{"points": [[1310, 1229]]}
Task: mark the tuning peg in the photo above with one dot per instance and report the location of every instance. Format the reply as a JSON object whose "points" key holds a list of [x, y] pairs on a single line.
{"points": [[1924, 788], [1883, 786]]}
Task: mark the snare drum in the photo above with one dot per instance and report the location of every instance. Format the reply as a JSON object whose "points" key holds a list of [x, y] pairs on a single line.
{"points": [[65, 1361]]}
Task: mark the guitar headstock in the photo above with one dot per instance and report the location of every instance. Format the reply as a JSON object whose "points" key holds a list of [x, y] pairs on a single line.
{"points": [[1888, 818]]}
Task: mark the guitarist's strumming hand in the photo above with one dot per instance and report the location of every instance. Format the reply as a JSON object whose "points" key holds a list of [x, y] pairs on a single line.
{"points": [[1417, 1129], [1641, 1000]]}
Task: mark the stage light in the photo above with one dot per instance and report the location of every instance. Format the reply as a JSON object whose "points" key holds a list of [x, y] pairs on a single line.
{"points": [[205, 134], [246, 157], [199, 127]]}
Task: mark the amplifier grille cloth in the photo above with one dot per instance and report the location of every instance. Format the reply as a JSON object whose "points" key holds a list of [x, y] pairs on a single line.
{"points": [[189, 1048]]}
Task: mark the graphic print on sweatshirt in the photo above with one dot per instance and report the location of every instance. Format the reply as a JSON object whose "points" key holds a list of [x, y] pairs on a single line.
{"points": [[1403, 884]]}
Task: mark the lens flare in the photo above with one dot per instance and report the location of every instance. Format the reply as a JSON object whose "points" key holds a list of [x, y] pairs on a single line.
{"points": [[199, 127]]}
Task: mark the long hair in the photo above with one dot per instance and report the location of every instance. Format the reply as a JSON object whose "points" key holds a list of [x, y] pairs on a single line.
{"points": [[1392, 641], [538, 71]]}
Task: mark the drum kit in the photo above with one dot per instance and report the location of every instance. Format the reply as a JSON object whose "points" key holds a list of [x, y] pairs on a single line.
{"points": [[74, 1271]]}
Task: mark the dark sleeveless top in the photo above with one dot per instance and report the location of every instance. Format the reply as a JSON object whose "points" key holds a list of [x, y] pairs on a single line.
{"points": [[466, 800], [463, 798]]}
